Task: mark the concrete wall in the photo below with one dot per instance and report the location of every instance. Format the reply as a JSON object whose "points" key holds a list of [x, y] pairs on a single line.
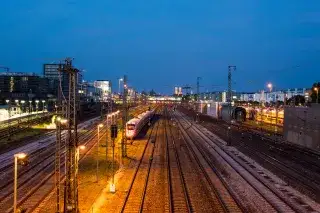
{"points": [[302, 126]]}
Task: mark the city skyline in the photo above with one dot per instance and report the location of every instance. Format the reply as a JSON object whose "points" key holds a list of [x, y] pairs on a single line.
{"points": [[162, 45]]}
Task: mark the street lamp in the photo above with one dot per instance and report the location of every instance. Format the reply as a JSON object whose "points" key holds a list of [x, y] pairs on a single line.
{"points": [[9, 114], [269, 85], [18, 156], [43, 101], [37, 105], [99, 126], [22, 102], [30, 106], [120, 79], [317, 90]]}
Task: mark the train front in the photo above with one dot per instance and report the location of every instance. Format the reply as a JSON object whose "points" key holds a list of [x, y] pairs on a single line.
{"points": [[131, 129]]}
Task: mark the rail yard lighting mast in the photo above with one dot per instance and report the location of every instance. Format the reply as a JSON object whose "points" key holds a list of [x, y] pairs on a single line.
{"points": [[18, 156]]}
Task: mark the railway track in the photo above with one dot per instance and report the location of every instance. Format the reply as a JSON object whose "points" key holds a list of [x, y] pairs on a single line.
{"points": [[34, 178], [298, 166], [179, 200], [33, 149], [222, 198], [279, 198], [46, 186], [135, 196]]}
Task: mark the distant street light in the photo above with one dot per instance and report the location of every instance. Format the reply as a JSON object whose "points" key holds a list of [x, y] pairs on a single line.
{"points": [[269, 86], [18, 156], [317, 90]]}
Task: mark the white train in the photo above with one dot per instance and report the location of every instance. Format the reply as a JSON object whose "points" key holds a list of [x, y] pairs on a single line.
{"points": [[134, 126]]}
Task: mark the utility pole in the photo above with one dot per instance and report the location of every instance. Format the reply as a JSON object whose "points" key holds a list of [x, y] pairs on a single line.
{"points": [[71, 183], [229, 99], [59, 108], [124, 117]]}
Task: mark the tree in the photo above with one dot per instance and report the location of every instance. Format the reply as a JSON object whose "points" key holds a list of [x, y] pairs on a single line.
{"points": [[186, 97], [314, 93], [297, 100]]}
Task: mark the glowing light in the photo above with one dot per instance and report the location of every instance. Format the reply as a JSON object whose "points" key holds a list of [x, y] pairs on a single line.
{"points": [[20, 155], [100, 125], [63, 121], [82, 147]]}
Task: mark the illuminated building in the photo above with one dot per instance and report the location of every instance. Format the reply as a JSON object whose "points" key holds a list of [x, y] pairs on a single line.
{"points": [[105, 86]]}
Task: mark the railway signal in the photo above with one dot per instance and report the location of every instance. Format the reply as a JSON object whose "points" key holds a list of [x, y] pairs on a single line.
{"points": [[114, 131]]}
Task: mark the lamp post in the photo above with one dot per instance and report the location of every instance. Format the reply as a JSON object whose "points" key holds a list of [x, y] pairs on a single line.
{"points": [[19, 156], [107, 135], [120, 79], [37, 105], [9, 114], [317, 90], [30, 107], [99, 126], [270, 86], [21, 106], [17, 104], [43, 106]]}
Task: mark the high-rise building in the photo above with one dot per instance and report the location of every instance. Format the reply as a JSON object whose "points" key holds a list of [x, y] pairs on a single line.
{"points": [[52, 73], [178, 91]]}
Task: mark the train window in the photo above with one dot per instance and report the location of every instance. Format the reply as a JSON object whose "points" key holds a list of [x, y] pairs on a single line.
{"points": [[130, 127]]}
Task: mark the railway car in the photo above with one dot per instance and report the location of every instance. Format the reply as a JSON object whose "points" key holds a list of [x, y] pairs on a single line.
{"points": [[134, 126]]}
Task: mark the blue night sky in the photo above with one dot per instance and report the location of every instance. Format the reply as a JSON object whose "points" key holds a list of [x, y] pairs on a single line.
{"points": [[161, 44]]}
